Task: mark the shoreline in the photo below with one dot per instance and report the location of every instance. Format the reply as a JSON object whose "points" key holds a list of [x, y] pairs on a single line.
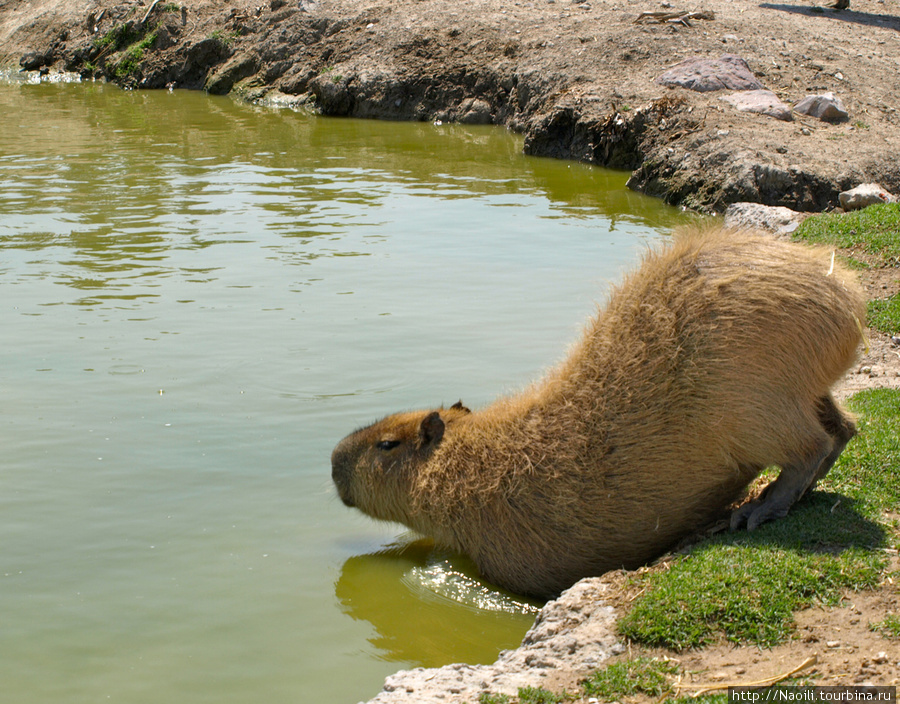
{"points": [[580, 81]]}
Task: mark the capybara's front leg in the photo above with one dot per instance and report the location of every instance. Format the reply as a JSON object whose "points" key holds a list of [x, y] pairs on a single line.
{"points": [[778, 497]]}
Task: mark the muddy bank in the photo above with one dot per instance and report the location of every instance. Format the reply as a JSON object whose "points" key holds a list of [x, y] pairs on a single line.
{"points": [[578, 79]]}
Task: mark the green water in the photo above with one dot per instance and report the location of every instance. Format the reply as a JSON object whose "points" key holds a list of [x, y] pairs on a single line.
{"points": [[197, 300]]}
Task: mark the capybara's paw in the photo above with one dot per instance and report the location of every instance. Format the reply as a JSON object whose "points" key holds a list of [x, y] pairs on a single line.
{"points": [[741, 514], [754, 513]]}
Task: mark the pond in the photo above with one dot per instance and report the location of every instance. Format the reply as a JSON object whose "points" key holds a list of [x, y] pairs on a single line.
{"points": [[198, 299]]}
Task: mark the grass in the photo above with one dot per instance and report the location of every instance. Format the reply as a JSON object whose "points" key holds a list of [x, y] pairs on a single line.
{"points": [[629, 677], [486, 698], [873, 231], [527, 695], [117, 38], [224, 38], [884, 314], [128, 39], [889, 627], [539, 695], [133, 55], [872, 236]]}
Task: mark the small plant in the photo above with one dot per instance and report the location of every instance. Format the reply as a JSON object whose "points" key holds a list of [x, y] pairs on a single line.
{"points": [[485, 698], [329, 71], [133, 56], [539, 695], [630, 677], [171, 7], [889, 627], [224, 38], [526, 695], [117, 37]]}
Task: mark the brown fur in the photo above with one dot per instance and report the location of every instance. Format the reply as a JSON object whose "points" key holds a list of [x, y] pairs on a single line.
{"points": [[712, 361]]}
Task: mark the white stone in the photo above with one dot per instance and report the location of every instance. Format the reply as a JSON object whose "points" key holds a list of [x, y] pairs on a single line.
{"points": [[863, 196]]}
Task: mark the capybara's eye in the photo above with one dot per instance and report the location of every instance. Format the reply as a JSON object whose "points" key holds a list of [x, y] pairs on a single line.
{"points": [[387, 445]]}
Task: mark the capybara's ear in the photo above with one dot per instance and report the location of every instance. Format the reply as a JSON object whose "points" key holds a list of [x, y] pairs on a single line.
{"points": [[459, 407], [431, 430]]}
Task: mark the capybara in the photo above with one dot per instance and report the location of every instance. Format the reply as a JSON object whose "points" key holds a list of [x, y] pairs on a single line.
{"points": [[712, 361]]}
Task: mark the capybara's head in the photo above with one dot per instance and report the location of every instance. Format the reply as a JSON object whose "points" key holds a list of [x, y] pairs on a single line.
{"points": [[375, 467]]}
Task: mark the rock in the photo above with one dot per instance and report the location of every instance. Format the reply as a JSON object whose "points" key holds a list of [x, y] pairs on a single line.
{"points": [[704, 75], [825, 107], [235, 69], [475, 111], [864, 195], [34, 60], [761, 101], [775, 219]]}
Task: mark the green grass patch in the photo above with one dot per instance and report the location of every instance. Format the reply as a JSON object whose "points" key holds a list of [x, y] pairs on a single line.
{"points": [[526, 695], [629, 677], [884, 315], [539, 695], [889, 627], [486, 698], [118, 37], [133, 55], [224, 38], [869, 469], [872, 231], [745, 587]]}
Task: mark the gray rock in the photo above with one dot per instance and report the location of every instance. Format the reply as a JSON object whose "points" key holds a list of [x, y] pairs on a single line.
{"points": [[755, 216], [474, 111], [34, 60], [863, 196], [235, 69], [762, 101], [825, 107], [703, 74]]}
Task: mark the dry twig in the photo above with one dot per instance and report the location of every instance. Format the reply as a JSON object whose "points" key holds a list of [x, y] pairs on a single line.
{"points": [[768, 682]]}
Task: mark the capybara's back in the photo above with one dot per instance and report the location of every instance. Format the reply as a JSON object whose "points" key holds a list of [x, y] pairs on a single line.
{"points": [[712, 361]]}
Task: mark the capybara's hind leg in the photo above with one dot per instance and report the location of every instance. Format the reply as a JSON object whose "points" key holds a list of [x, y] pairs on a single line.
{"points": [[778, 497], [840, 427]]}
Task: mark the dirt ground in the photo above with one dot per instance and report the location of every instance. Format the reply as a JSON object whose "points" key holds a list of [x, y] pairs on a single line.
{"points": [[578, 79]]}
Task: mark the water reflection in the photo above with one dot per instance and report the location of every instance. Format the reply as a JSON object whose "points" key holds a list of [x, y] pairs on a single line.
{"points": [[429, 608]]}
